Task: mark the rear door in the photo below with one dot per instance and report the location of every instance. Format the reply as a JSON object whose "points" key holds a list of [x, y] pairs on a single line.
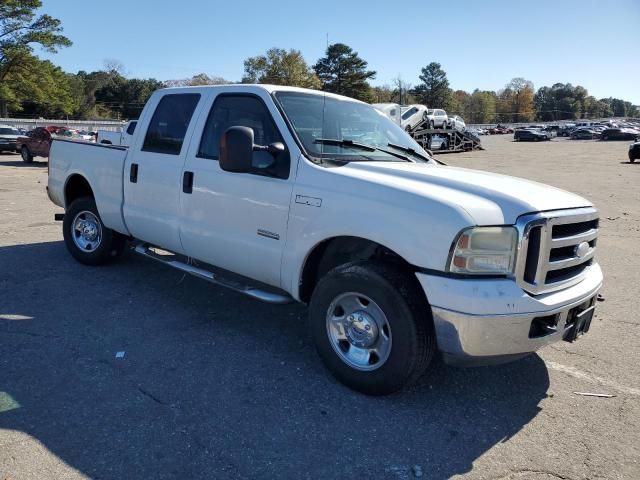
{"points": [[153, 168], [238, 221]]}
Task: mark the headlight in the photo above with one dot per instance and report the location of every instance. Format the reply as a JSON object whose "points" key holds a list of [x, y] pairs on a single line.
{"points": [[484, 250]]}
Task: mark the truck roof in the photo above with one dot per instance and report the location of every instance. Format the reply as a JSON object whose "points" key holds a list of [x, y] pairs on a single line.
{"points": [[254, 88]]}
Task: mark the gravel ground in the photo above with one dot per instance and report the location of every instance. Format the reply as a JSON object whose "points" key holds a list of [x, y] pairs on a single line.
{"points": [[214, 385]]}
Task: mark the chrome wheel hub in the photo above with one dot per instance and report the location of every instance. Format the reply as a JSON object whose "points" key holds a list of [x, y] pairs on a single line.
{"points": [[86, 231], [358, 331], [362, 330]]}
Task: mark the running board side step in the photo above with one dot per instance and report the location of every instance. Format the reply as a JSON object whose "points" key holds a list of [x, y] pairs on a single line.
{"points": [[146, 250]]}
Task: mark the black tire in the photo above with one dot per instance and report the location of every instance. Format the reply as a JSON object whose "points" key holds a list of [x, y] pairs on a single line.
{"points": [[26, 155], [111, 245], [398, 295], [432, 125]]}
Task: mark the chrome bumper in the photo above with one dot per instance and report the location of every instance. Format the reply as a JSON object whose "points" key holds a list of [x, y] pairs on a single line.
{"points": [[468, 338]]}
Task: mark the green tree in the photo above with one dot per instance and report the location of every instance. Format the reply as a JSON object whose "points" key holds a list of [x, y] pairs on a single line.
{"points": [[126, 97], [482, 107], [434, 90], [342, 71], [280, 67], [383, 94], [20, 30], [39, 88], [459, 103]]}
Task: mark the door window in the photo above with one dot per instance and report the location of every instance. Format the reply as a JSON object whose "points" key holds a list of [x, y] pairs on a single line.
{"points": [[169, 123], [245, 111], [409, 113]]}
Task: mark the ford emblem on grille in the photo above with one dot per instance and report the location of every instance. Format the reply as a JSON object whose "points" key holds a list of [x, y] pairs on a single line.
{"points": [[582, 249]]}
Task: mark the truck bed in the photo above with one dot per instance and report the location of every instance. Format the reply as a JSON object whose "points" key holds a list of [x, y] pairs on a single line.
{"points": [[102, 166]]}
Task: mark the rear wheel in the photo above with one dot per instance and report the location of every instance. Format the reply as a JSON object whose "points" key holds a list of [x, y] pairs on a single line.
{"points": [[432, 125], [372, 327], [26, 155], [86, 237]]}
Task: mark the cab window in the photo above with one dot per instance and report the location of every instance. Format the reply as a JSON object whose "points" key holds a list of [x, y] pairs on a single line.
{"points": [[245, 111], [169, 123]]}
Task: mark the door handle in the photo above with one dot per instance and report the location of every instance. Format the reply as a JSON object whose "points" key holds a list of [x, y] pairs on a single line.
{"points": [[133, 173], [187, 182]]}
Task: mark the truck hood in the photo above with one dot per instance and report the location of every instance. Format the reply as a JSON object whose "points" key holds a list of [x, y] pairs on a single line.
{"points": [[488, 198]]}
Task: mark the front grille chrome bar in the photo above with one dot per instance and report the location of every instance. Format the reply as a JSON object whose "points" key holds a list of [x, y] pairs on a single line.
{"points": [[538, 248]]}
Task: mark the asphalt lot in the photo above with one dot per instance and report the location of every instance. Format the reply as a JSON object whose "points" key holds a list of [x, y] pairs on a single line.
{"points": [[214, 385]]}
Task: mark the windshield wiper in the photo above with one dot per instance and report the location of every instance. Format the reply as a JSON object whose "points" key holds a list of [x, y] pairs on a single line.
{"points": [[413, 152], [359, 146], [409, 150]]}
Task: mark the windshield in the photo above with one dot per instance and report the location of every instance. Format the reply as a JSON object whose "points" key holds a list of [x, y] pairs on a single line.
{"points": [[343, 120], [9, 131]]}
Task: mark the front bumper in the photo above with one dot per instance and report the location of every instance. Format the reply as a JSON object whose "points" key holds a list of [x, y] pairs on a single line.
{"points": [[7, 146], [479, 322]]}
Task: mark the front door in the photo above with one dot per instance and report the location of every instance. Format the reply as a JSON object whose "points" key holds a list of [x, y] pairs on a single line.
{"points": [[238, 221], [153, 168]]}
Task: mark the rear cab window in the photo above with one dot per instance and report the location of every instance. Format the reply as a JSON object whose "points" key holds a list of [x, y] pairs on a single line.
{"points": [[131, 128], [169, 123]]}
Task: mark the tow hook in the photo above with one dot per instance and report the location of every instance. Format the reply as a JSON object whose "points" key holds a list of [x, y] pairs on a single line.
{"points": [[58, 217]]}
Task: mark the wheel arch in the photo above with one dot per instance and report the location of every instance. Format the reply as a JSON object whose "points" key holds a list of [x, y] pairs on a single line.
{"points": [[338, 250], [75, 187]]}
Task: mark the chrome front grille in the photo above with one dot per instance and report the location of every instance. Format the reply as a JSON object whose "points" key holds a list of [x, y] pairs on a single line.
{"points": [[555, 248]]}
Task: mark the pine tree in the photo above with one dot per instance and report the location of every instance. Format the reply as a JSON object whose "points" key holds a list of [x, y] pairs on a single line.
{"points": [[434, 91], [342, 71]]}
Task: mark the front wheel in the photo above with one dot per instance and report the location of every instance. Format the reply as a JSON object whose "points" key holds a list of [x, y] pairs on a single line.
{"points": [[88, 240], [372, 327]]}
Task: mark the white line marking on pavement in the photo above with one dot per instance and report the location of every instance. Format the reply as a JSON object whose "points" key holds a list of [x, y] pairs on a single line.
{"points": [[574, 372]]}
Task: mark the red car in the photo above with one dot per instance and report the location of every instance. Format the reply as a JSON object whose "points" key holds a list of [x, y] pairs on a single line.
{"points": [[36, 143]]}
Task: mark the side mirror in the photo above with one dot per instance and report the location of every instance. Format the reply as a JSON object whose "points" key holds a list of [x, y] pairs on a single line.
{"points": [[236, 149]]}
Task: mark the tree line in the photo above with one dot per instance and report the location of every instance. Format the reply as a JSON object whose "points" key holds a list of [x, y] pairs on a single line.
{"points": [[33, 87]]}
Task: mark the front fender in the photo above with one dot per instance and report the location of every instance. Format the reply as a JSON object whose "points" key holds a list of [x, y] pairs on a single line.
{"points": [[419, 235]]}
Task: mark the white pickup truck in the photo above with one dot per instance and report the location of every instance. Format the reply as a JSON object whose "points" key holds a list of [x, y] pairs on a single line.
{"points": [[290, 194]]}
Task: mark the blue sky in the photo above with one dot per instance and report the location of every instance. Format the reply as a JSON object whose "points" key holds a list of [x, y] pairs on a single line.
{"points": [[480, 44]]}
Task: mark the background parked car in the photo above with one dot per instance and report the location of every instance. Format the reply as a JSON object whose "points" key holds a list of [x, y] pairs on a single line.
{"points": [[412, 116], [8, 137], [531, 134], [619, 134], [584, 134], [35, 143], [566, 129], [634, 151], [456, 122], [437, 118], [501, 129]]}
